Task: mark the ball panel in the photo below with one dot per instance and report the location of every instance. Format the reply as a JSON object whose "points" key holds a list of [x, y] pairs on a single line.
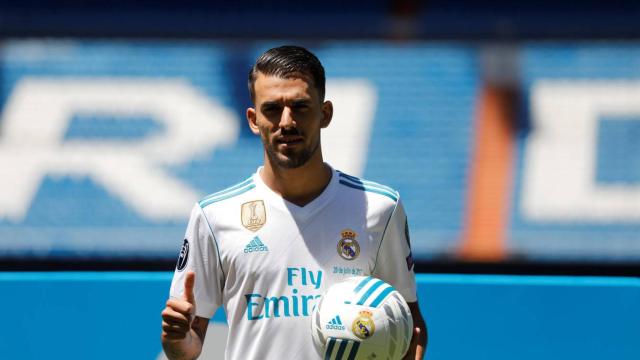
{"points": [[365, 311]]}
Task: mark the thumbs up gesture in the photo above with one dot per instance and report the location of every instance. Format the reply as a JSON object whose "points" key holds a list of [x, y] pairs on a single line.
{"points": [[178, 314]]}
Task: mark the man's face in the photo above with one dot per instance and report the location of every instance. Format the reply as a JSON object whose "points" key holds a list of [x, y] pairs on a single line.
{"points": [[288, 116]]}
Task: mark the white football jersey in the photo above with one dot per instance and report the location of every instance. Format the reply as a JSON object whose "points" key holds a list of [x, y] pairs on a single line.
{"points": [[267, 261]]}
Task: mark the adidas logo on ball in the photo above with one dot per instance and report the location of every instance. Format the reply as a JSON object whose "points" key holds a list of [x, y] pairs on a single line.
{"points": [[361, 318], [335, 324]]}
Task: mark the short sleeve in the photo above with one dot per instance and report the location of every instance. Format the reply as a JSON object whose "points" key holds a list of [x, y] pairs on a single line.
{"points": [[199, 253], [394, 263]]}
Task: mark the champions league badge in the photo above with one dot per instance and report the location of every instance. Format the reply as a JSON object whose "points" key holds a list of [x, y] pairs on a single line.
{"points": [[253, 215], [363, 326], [184, 256], [348, 247]]}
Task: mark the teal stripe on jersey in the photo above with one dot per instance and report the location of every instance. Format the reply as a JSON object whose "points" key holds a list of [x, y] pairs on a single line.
{"points": [[229, 189], [369, 189], [341, 349], [354, 350], [327, 354], [373, 288], [369, 185], [367, 182], [381, 296], [237, 192]]}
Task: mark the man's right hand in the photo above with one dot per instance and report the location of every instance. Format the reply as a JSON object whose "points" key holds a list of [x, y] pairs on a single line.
{"points": [[178, 315], [182, 332]]}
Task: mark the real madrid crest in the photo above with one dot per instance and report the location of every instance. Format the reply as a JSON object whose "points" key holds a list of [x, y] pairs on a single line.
{"points": [[363, 326], [253, 215], [348, 247]]}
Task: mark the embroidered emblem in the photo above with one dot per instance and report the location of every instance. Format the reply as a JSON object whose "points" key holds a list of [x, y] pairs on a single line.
{"points": [[348, 247], [255, 245], [253, 215]]}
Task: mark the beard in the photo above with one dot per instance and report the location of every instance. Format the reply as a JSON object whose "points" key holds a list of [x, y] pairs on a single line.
{"points": [[289, 159]]}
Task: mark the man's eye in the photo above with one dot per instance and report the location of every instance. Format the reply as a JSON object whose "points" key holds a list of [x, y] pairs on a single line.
{"points": [[270, 109], [300, 107]]}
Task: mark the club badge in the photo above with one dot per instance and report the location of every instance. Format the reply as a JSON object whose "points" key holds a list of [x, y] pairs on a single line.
{"points": [[253, 215], [363, 326], [348, 247], [184, 256]]}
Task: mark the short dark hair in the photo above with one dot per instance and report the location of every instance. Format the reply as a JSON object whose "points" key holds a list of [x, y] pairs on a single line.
{"points": [[288, 61]]}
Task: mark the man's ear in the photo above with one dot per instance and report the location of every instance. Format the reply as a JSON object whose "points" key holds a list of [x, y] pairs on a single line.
{"points": [[327, 114], [252, 120]]}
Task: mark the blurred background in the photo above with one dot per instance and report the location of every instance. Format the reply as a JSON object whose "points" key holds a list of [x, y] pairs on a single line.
{"points": [[510, 129]]}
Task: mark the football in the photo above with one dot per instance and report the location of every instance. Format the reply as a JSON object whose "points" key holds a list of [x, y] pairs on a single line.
{"points": [[361, 318]]}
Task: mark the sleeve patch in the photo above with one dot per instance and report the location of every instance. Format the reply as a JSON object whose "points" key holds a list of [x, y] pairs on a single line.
{"points": [[406, 232], [409, 260], [184, 256]]}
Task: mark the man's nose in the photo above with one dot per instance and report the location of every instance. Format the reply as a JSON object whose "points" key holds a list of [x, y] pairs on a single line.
{"points": [[286, 119]]}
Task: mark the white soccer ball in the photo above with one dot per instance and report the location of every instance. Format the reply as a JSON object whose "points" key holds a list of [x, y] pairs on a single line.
{"points": [[361, 318]]}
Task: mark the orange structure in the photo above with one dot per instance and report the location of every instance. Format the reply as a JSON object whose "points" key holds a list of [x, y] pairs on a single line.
{"points": [[488, 198]]}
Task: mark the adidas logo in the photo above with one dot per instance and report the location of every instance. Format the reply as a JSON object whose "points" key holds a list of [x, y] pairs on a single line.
{"points": [[335, 324], [255, 245]]}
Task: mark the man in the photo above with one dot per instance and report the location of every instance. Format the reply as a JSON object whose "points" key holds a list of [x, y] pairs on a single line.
{"points": [[266, 248]]}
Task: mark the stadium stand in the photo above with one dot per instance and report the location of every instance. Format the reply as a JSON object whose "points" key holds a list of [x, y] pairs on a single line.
{"points": [[611, 145], [416, 88], [421, 103]]}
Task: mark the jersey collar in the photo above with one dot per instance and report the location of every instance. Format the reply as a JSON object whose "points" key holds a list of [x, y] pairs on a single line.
{"points": [[298, 212]]}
